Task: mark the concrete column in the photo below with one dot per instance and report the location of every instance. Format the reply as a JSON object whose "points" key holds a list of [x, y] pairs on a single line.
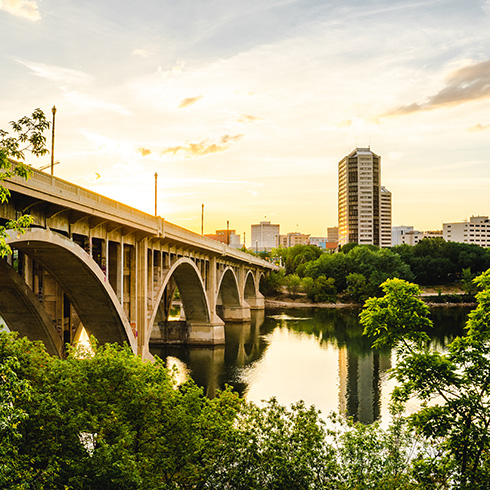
{"points": [[105, 257], [211, 286], [142, 295], [151, 272], [120, 272]]}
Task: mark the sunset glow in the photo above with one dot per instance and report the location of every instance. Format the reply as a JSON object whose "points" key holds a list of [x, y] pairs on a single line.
{"points": [[248, 106]]}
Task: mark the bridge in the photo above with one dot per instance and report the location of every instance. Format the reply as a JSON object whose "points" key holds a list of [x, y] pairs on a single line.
{"points": [[94, 263]]}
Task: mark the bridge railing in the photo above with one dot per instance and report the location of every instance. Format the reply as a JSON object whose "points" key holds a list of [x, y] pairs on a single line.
{"points": [[64, 190]]}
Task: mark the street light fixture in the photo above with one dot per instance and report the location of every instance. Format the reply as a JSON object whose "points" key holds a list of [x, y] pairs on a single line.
{"points": [[53, 110]]}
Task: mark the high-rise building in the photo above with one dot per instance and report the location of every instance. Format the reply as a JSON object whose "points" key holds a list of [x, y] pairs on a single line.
{"points": [[265, 236], [364, 205]]}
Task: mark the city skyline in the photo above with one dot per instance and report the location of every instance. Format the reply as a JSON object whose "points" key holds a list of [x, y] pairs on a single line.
{"points": [[247, 107]]}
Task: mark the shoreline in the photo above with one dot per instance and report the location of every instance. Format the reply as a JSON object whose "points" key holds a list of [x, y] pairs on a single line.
{"points": [[272, 303]]}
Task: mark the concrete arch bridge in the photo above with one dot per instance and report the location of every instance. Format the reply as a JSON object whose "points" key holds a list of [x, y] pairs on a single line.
{"points": [[92, 262]]}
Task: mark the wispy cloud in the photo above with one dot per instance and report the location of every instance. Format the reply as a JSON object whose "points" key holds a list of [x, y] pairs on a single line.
{"points": [[144, 151], [27, 9], [75, 86], [189, 101], [143, 53], [57, 74], [249, 119], [469, 83], [206, 147], [478, 127]]}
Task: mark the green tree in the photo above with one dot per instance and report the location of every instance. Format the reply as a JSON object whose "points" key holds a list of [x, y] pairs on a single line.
{"points": [[467, 282], [275, 448], [111, 421], [357, 287], [293, 284], [272, 283], [454, 386], [320, 289], [27, 136]]}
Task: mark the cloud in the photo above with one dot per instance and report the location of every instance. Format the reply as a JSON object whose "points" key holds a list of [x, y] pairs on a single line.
{"points": [[144, 151], [194, 150], [57, 74], [345, 123], [26, 9], [478, 127], [189, 101], [468, 83], [143, 53], [248, 119]]}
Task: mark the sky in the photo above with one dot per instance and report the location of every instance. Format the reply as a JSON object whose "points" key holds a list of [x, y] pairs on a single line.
{"points": [[247, 106]]}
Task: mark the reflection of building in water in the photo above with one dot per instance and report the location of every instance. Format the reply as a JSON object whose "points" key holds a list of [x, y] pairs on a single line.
{"points": [[359, 384]]}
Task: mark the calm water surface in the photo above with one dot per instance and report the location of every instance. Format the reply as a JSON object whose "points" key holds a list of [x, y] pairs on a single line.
{"points": [[318, 356]]}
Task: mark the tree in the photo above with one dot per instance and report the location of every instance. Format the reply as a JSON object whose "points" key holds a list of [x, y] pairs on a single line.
{"points": [[27, 136], [293, 284], [454, 386], [109, 421]]}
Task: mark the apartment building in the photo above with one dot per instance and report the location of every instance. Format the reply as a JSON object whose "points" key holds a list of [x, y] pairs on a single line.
{"points": [[476, 231], [364, 205]]}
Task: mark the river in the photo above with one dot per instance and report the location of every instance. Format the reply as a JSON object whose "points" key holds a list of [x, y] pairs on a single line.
{"points": [[316, 355]]}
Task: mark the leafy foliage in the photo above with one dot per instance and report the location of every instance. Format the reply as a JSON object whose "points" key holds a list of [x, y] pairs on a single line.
{"points": [[27, 136], [454, 386]]}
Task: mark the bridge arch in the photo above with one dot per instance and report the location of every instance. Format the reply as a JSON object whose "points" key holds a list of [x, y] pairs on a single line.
{"points": [[82, 280], [193, 295], [229, 298], [228, 292], [23, 312], [251, 292]]}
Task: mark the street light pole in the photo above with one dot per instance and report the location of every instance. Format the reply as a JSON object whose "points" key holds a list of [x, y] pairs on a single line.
{"points": [[202, 219], [53, 110], [156, 193]]}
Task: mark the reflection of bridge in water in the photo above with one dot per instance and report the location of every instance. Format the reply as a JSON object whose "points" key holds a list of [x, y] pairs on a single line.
{"points": [[360, 370], [94, 263]]}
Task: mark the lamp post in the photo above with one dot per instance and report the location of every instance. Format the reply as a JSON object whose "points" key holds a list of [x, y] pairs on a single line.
{"points": [[156, 193], [202, 219], [53, 110]]}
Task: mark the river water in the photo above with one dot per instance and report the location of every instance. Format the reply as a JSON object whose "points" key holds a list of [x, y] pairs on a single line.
{"points": [[316, 355]]}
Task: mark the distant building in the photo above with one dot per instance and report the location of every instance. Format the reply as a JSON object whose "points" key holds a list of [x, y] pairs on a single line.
{"points": [[413, 237], [265, 237], [319, 241], [333, 234], [407, 235], [385, 217], [397, 233], [476, 231], [364, 205], [292, 239], [226, 236]]}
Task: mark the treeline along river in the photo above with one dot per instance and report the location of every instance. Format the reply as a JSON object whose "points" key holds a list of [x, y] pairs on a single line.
{"points": [[316, 355]]}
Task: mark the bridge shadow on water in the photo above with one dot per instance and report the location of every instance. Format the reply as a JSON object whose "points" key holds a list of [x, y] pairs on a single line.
{"points": [[318, 355]]}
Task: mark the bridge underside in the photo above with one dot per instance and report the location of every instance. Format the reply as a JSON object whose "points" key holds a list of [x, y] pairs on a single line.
{"points": [[23, 312], [82, 282]]}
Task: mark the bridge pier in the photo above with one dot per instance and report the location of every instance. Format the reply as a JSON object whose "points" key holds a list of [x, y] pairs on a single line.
{"points": [[207, 334], [240, 313], [257, 303]]}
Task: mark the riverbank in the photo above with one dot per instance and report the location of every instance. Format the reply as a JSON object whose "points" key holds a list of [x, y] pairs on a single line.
{"points": [[302, 302], [274, 303]]}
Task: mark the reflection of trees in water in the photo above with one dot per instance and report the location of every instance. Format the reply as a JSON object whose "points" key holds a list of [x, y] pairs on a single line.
{"points": [[360, 368]]}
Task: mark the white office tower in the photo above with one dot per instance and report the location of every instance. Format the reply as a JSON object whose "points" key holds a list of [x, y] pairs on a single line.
{"points": [[265, 236], [364, 205]]}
